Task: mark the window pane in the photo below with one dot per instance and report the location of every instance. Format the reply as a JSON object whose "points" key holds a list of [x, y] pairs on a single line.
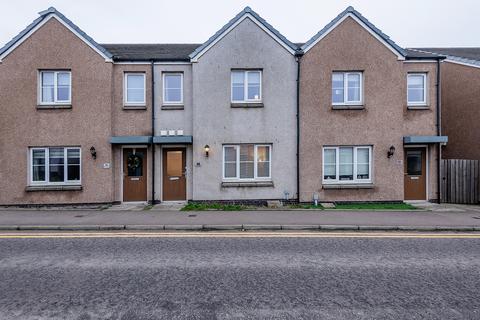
{"points": [[247, 161], [135, 88], [63, 86], [414, 163], [263, 161], [173, 87], [73, 156], [238, 89], [363, 163], [73, 172], [38, 173], [416, 89], [253, 79], [337, 88], [38, 157], [353, 93], [230, 170], [48, 86], [56, 156], [329, 166], [346, 164], [230, 154], [135, 164], [56, 173]]}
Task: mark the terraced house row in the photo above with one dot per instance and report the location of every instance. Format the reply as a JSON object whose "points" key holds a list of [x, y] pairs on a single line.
{"points": [[246, 116]]}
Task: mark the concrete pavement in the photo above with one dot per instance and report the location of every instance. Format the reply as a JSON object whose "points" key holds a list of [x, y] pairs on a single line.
{"points": [[465, 219], [239, 278]]}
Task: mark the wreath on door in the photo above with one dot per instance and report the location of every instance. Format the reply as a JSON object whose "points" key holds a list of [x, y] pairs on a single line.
{"points": [[133, 161]]}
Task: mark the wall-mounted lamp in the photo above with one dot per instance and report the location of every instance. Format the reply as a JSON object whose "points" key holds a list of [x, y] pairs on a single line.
{"points": [[207, 149], [93, 152], [390, 152]]}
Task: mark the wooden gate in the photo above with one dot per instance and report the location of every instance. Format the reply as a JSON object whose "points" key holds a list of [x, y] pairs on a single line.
{"points": [[460, 181]]}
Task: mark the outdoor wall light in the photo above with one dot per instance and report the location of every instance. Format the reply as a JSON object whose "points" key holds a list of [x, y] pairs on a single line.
{"points": [[390, 152], [207, 149], [93, 152]]}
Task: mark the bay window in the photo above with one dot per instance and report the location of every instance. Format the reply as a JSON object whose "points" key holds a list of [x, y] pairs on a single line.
{"points": [[55, 165], [347, 164], [247, 162]]}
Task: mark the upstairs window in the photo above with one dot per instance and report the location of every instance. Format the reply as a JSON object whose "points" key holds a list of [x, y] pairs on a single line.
{"points": [[55, 165], [55, 87], [417, 89], [134, 92], [347, 164], [246, 86], [246, 162], [347, 88], [172, 88]]}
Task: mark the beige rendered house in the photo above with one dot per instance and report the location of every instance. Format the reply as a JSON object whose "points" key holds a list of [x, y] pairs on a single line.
{"points": [[368, 116]]}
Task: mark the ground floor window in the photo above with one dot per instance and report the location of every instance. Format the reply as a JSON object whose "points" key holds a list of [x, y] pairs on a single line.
{"points": [[55, 165], [347, 164], [247, 162]]}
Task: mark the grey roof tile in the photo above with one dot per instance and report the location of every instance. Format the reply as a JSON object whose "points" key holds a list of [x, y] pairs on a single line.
{"points": [[463, 55], [351, 10], [247, 10], [43, 15], [145, 52]]}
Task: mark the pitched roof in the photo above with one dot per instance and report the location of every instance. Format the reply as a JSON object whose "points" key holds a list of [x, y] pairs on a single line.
{"points": [[247, 12], [158, 52], [44, 17], [350, 11], [469, 56]]}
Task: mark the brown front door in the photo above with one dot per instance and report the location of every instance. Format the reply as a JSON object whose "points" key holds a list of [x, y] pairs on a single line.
{"points": [[415, 174], [135, 174], [174, 182]]}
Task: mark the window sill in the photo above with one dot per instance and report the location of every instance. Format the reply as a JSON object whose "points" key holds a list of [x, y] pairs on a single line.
{"points": [[134, 107], [53, 106], [348, 107], [54, 188], [173, 107], [418, 107], [349, 186], [246, 105], [243, 184]]}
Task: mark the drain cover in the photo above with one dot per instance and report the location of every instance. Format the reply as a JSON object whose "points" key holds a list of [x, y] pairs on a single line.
{"points": [[80, 216], [192, 215], [476, 218]]}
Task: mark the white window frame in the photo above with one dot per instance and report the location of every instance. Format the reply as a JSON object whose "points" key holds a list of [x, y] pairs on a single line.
{"points": [[245, 86], [47, 167], [337, 165], [55, 87], [346, 102], [418, 103], [165, 102], [125, 91], [255, 163]]}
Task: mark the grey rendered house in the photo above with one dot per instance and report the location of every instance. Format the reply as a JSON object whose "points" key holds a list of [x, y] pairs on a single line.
{"points": [[244, 112]]}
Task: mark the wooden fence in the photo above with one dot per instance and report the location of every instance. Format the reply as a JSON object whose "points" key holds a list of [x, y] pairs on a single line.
{"points": [[460, 181]]}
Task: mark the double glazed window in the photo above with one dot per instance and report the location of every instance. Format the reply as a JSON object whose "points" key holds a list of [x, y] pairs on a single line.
{"points": [[55, 165], [173, 88], [347, 88], [347, 164], [134, 92], [246, 86], [246, 162], [55, 87], [417, 89]]}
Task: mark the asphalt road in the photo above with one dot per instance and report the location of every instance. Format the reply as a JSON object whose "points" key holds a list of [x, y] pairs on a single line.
{"points": [[239, 278]]}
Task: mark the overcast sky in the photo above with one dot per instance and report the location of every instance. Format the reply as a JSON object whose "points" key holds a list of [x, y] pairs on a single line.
{"points": [[410, 23]]}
